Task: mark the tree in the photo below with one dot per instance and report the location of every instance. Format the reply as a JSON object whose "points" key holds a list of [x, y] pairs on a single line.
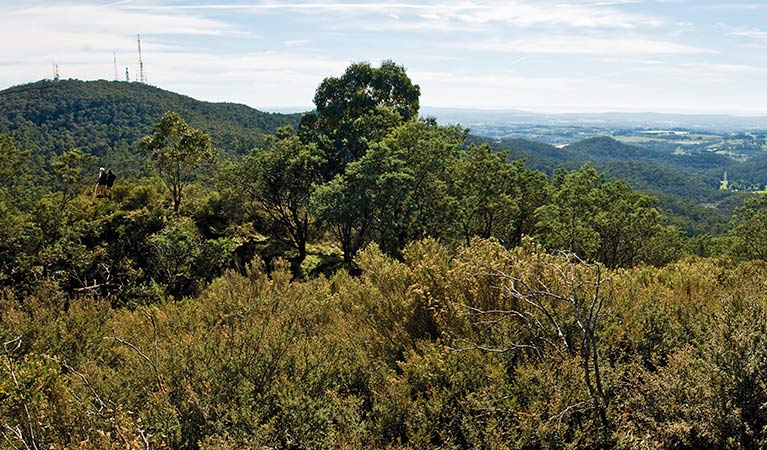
{"points": [[174, 252], [603, 221], [627, 224], [177, 150], [415, 200], [530, 190], [280, 180], [20, 237], [345, 204], [483, 188], [397, 192], [564, 224], [358, 108], [749, 228], [16, 179], [68, 172]]}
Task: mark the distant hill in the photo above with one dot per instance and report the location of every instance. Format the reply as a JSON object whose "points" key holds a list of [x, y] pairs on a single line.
{"points": [[685, 185], [694, 177], [50, 117]]}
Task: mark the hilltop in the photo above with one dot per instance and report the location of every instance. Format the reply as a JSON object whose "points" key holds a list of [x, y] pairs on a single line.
{"points": [[100, 117]]}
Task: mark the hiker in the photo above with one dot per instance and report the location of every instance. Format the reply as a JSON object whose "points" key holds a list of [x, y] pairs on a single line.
{"points": [[110, 178], [98, 192]]}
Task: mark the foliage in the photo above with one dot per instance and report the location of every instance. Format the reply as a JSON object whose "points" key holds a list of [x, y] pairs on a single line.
{"points": [[482, 304], [607, 222], [497, 198], [177, 150], [749, 228], [358, 108], [278, 182], [482, 347], [67, 172], [686, 185], [107, 119], [397, 192]]}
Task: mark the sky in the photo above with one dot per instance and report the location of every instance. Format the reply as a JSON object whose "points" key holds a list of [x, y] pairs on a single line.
{"points": [[690, 56]]}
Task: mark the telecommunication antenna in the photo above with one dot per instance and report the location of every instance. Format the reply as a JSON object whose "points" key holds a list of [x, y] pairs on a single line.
{"points": [[117, 76], [127, 74], [141, 74], [55, 72]]}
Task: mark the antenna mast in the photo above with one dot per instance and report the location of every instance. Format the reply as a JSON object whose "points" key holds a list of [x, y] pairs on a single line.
{"points": [[55, 72], [117, 76], [127, 74], [141, 74]]}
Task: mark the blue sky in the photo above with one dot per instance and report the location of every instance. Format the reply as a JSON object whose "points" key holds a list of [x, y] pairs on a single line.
{"points": [[553, 56]]}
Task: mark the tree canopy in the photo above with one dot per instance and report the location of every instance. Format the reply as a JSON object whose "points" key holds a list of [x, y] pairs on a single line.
{"points": [[176, 150], [358, 108]]}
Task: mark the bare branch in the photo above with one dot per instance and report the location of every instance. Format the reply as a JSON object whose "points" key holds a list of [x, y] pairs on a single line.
{"points": [[474, 346], [87, 383], [17, 342], [143, 356], [17, 434]]}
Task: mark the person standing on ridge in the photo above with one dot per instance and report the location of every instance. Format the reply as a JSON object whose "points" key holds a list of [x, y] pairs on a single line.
{"points": [[111, 176], [98, 192]]}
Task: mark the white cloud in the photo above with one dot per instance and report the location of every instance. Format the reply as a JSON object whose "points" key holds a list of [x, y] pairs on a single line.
{"points": [[525, 13], [263, 78], [58, 32], [110, 20], [703, 72], [751, 33], [582, 45], [296, 42], [296, 6], [534, 14]]}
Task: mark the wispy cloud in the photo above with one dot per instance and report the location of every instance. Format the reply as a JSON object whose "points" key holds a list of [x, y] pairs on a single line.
{"points": [[111, 20], [736, 6], [298, 6], [534, 14], [751, 33], [582, 45], [525, 13]]}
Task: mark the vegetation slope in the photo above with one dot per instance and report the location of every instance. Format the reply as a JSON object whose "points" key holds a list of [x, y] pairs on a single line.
{"points": [[369, 279], [102, 117]]}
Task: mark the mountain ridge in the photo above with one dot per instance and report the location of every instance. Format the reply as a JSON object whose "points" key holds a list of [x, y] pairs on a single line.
{"points": [[50, 117]]}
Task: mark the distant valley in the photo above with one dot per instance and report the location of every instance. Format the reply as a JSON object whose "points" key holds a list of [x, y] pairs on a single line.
{"points": [[740, 138]]}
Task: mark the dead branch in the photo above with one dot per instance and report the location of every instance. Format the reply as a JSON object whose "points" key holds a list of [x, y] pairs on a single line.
{"points": [[11, 368], [143, 356]]}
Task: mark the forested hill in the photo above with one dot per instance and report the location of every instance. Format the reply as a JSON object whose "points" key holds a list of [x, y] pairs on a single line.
{"points": [[686, 185], [50, 117], [692, 177]]}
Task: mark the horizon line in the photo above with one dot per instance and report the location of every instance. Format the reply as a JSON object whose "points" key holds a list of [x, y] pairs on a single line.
{"points": [[527, 109]]}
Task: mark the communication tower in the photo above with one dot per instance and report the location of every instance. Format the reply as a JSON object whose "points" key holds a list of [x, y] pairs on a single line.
{"points": [[141, 73], [55, 72], [117, 76]]}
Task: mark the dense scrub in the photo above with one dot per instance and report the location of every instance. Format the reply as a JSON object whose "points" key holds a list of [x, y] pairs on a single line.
{"points": [[434, 351]]}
